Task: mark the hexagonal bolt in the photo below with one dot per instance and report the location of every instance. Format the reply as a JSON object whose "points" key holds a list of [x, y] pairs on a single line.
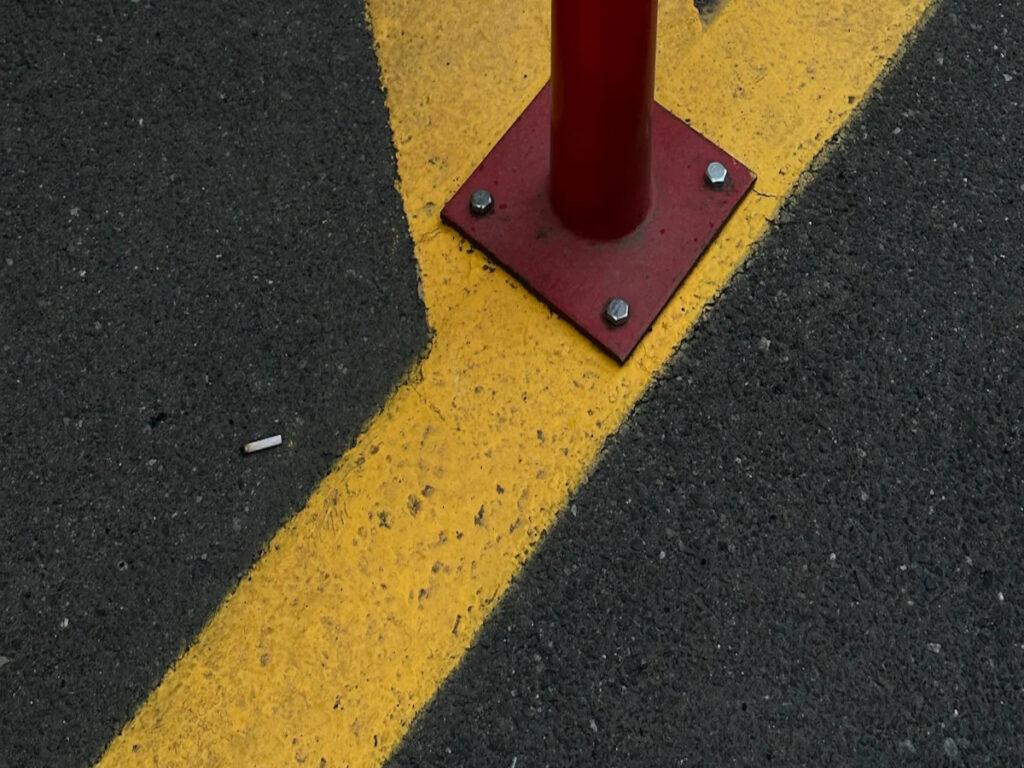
{"points": [[716, 176], [616, 312], [481, 203]]}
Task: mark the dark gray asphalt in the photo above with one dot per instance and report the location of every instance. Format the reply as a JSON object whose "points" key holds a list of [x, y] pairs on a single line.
{"points": [[807, 546], [707, 8], [200, 245]]}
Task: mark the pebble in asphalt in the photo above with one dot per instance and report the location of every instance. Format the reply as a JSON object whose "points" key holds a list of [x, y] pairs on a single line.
{"points": [[806, 547]]}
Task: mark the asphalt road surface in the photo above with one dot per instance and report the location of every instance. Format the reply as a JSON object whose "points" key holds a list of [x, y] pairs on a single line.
{"points": [[200, 245], [806, 547]]}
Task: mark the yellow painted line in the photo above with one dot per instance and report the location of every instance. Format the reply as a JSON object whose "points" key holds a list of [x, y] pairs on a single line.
{"points": [[368, 598]]}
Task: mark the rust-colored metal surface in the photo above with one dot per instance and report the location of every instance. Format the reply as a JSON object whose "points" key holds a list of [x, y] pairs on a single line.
{"points": [[575, 275], [602, 102]]}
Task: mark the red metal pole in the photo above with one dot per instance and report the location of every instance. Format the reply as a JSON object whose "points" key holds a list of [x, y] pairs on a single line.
{"points": [[602, 91]]}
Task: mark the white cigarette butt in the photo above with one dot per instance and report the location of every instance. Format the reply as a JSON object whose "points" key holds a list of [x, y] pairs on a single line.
{"points": [[260, 445]]}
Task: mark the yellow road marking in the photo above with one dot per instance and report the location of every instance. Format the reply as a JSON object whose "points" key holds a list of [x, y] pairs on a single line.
{"points": [[367, 599]]}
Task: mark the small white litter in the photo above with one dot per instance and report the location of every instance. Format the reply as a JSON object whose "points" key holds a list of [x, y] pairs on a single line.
{"points": [[262, 445]]}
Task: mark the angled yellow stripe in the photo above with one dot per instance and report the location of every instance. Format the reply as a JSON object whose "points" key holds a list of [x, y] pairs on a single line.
{"points": [[368, 598]]}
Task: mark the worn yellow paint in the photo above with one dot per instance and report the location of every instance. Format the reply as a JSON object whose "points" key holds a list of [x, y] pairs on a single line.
{"points": [[367, 599]]}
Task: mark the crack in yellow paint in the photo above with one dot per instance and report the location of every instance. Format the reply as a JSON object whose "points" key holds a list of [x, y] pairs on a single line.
{"points": [[368, 598]]}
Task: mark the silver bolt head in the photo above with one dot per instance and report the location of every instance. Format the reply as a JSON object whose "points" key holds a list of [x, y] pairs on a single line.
{"points": [[616, 312], [481, 203], [716, 175]]}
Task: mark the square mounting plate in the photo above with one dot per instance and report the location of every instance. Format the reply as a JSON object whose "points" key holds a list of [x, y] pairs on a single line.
{"points": [[577, 276]]}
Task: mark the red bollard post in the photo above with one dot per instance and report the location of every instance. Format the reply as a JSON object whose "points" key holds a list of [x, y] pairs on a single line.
{"points": [[602, 99], [597, 198]]}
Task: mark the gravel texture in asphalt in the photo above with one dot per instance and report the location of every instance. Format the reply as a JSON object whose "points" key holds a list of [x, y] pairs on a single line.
{"points": [[806, 547], [201, 245]]}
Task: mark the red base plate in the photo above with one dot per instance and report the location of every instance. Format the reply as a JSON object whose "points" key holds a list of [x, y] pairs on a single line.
{"points": [[577, 276]]}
